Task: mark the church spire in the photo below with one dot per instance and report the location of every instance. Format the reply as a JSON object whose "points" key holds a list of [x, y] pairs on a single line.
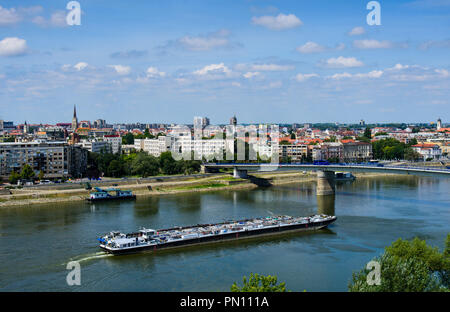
{"points": [[74, 119]]}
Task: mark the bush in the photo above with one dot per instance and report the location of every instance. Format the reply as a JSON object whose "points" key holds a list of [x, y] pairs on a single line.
{"points": [[259, 283], [408, 266]]}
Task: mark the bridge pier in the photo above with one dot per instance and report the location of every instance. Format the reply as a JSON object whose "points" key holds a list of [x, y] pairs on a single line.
{"points": [[239, 173], [204, 169], [325, 183]]}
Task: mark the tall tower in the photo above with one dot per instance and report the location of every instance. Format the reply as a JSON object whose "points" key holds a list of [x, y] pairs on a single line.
{"points": [[233, 120], [439, 124], [74, 119]]}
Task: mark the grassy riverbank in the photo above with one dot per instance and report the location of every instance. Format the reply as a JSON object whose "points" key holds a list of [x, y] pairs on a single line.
{"points": [[143, 188]]}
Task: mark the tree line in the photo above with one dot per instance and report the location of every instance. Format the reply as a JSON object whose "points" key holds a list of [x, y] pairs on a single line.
{"points": [[138, 164]]}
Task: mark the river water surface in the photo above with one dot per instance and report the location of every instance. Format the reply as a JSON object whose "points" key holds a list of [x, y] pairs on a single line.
{"points": [[37, 242]]}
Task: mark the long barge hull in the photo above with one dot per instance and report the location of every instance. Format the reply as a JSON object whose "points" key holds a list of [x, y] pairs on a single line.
{"points": [[224, 237]]}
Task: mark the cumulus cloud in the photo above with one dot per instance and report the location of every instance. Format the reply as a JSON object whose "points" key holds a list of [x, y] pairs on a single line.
{"points": [[213, 69], [9, 16], [357, 31], [279, 22], [121, 70], [310, 47], [372, 74], [80, 66], [153, 72], [56, 19], [341, 62], [250, 75], [13, 46], [303, 77], [373, 44]]}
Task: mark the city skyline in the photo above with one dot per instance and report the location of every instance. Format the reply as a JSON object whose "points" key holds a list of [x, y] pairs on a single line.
{"points": [[268, 62]]}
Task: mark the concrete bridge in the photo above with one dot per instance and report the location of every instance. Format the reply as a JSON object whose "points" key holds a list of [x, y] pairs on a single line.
{"points": [[325, 173]]}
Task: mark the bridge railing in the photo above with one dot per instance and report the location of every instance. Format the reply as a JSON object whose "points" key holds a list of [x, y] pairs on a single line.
{"points": [[348, 165]]}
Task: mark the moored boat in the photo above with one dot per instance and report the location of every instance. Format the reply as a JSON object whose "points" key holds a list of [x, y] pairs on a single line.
{"points": [[110, 194]]}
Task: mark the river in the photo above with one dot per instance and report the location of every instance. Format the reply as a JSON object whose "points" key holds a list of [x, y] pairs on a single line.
{"points": [[37, 242]]}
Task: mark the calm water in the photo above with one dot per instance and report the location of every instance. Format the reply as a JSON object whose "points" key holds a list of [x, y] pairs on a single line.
{"points": [[36, 243]]}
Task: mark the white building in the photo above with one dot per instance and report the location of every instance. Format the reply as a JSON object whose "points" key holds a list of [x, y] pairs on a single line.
{"points": [[428, 151], [153, 146], [115, 141], [95, 146]]}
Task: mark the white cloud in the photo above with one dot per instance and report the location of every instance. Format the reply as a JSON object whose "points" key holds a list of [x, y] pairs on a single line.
{"points": [[9, 16], [213, 69], [357, 31], [310, 47], [235, 84], [340, 76], [372, 44], [80, 66], [399, 66], [304, 77], [279, 22], [372, 74], [153, 72], [57, 19], [341, 62], [13, 46], [271, 67], [250, 75], [340, 46], [121, 70], [442, 72]]}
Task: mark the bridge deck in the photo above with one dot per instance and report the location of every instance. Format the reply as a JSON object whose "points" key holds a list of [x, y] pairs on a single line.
{"points": [[332, 167]]}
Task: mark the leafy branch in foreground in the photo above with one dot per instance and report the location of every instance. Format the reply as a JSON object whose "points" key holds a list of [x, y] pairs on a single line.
{"points": [[259, 283], [408, 266]]}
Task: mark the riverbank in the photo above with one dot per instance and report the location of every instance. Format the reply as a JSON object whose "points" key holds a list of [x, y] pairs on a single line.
{"points": [[143, 188]]}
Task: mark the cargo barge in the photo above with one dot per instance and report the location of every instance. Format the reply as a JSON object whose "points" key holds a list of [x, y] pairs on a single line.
{"points": [[147, 239]]}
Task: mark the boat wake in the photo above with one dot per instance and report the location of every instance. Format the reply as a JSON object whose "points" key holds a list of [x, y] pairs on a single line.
{"points": [[96, 255]]}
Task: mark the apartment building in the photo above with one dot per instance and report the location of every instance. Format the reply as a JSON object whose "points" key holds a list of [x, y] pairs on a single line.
{"points": [[357, 151], [115, 141], [55, 159]]}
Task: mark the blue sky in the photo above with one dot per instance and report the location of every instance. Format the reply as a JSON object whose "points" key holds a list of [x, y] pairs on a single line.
{"points": [[265, 61]]}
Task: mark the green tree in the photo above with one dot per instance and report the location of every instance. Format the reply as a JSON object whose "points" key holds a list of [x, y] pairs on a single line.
{"points": [[128, 138], [259, 283], [27, 172], [408, 266], [167, 163], [14, 177], [411, 154], [145, 165], [115, 168], [367, 133], [41, 175]]}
